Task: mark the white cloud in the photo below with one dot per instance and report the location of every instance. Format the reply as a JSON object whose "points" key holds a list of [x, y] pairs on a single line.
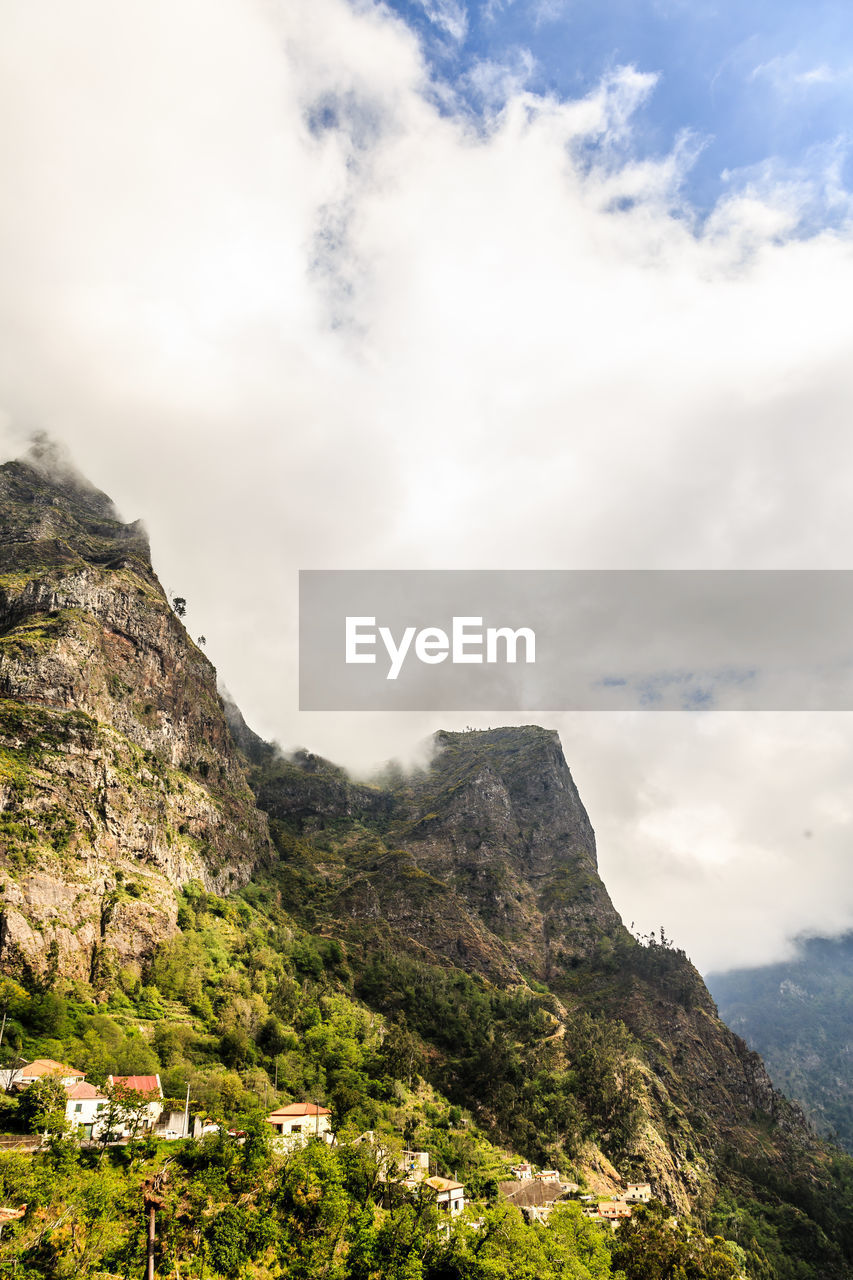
{"points": [[550, 10], [787, 74], [285, 308], [496, 82], [450, 16]]}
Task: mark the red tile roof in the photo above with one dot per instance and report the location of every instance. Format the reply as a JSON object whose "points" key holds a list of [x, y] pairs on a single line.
{"points": [[142, 1084], [49, 1067], [301, 1109], [77, 1092]]}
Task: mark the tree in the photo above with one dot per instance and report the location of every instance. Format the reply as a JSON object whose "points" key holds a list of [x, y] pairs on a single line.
{"points": [[42, 1106], [179, 604], [653, 1246], [126, 1109]]}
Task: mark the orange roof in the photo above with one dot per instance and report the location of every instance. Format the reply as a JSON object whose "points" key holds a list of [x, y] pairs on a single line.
{"points": [[77, 1092], [443, 1184], [300, 1109], [142, 1084], [48, 1067]]}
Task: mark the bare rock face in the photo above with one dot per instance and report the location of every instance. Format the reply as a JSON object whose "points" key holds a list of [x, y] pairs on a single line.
{"points": [[486, 858], [497, 817], [119, 780]]}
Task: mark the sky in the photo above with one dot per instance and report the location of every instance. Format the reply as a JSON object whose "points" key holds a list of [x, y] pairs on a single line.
{"points": [[524, 284]]}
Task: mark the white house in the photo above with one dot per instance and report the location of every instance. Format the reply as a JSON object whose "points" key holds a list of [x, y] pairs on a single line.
{"points": [[300, 1121], [150, 1088], [23, 1074], [638, 1193], [449, 1195], [83, 1109], [414, 1165]]}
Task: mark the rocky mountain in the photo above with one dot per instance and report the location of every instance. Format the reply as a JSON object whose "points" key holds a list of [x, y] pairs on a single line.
{"points": [[462, 902], [487, 858], [799, 1016], [486, 861], [119, 779]]}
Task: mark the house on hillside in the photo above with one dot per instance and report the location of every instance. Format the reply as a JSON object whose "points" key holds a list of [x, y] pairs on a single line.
{"points": [[84, 1110], [638, 1193], [614, 1210], [300, 1121], [414, 1165], [23, 1073], [449, 1195], [149, 1087], [522, 1171]]}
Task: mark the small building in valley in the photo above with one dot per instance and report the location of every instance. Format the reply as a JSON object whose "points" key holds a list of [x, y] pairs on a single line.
{"points": [[299, 1121], [449, 1195], [638, 1193], [149, 1087], [84, 1110], [26, 1073], [614, 1210]]}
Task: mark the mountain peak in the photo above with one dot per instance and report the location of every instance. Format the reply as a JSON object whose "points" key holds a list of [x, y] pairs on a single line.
{"points": [[50, 512]]}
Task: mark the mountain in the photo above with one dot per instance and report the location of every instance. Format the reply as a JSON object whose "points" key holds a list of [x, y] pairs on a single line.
{"points": [[799, 1016], [486, 861], [120, 780], [238, 909]]}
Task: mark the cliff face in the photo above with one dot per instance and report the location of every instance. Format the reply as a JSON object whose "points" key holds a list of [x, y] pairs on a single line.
{"points": [[123, 776], [118, 777], [486, 860]]}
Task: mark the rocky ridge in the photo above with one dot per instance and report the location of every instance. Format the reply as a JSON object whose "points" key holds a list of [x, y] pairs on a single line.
{"points": [[119, 779]]}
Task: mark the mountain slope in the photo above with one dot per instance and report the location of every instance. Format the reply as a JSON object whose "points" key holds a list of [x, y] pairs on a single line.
{"points": [[118, 776], [461, 902], [799, 1016]]}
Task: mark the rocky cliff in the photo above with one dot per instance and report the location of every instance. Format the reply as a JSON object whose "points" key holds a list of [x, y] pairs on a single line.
{"points": [[119, 779], [463, 900], [486, 861]]}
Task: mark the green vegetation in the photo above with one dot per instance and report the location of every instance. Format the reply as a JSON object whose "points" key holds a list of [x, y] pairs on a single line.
{"points": [[251, 1013]]}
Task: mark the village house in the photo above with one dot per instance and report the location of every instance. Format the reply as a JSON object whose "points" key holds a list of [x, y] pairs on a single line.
{"points": [[84, 1110], [449, 1195], [22, 1073], [149, 1087], [522, 1171], [300, 1121], [614, 1210], [638, 1193], [414, 1165]]}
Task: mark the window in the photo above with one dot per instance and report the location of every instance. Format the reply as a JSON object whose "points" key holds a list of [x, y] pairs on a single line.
{"points": [[78, 1108], [296, 1128]]}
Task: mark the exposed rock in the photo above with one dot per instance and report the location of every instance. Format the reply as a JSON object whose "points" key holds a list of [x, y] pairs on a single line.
{"points": [[118, 773]]}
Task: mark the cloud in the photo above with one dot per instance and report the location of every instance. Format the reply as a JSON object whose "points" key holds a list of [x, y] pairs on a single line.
{"points": [[450, 16], [289, 302], [494, 83], [787, 75], [550, 10]]}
